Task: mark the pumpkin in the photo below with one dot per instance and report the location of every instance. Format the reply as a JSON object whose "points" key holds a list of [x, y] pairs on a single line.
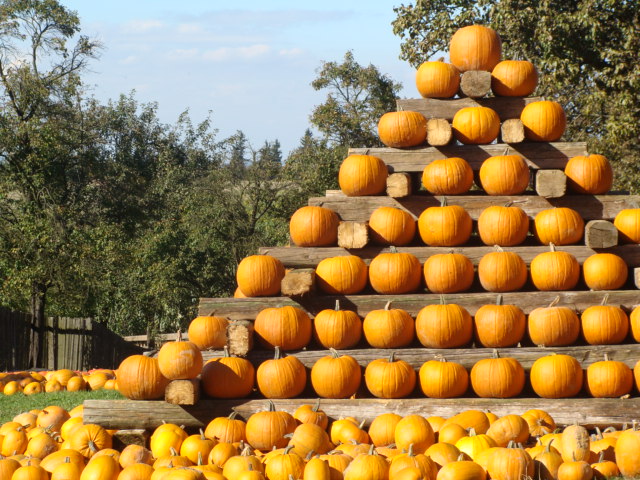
{"points": [[475, 125], [443, 453], [609, 379], [335, 328], [498, 326], [448, 176], [626, 451], [196, 447], [604, 324], [437, 80], [287, 327], [504, 175], [402, 129], [237, 465], [267, 429], [312, 226], [556, 376], [506, 225], [560, 226], [605, 469], [554, 270], [342, 275], [391, 226], [634, 320], [312, 414], [514, 78], [369, 466], [395, 273], [139, 378], [591, 174], [317, 469], [208, 332], [88, 439], [346, 430], [509, 428], [445, 226], [414, 430], [474, 444], [260, 276], [475, 47], [222, 452], [180, 360], [543, 121], [448, 273], [574, 443], [388, 328], [226, 429], [132, 454], [362, 175], [227, 377], [462, 469], [627, 221], [390, 378], [14, 442], [444, 326], [382, 429], [135, 471], [283, 465], [336, 376], [604, 271], [281, 377], [309, 437], [451, 433], [540, 422], [497, 377], [553, 326], [548, 462], [502, 271], [442, 379]]}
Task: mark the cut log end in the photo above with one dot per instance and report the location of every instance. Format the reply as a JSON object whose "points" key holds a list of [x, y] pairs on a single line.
{"points": [[183, 392], [636, 277], [512, 131], [475, 83], [399, 185], [138, 436], [551, 183], [353, 235], [240, 337], [297, 282], [439, 132], [600, 234]]}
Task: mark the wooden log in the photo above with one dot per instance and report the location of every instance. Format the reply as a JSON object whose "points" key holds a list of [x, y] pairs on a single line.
{"points": [[467, 357], [475, 83], [296, 257], [636, 277], [137, 436], [353, 234], [183, 392], [240, 335], [505, 107], [512, 131], [299, 281], [589, 412], [590, 207], [600, 234], [551, 183], [439, 132], [536, 154], [362, 304], [399, 185]]}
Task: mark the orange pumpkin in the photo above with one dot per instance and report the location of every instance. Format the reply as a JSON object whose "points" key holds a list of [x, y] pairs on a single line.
{"points": [[503, 225], [337, 328], [604, 271], [445, 226], [362, 175], [502, 271], [208, 332], [609, 379], [560, 226], [627, 221], [475, 47], [448, 273], [336, 376], [402, 129], [437, 80], [497, 377], [260, 276], [395, 273], [544, 121], [556, 376], [590, 174], [390, 378], [604, 324], [553, 326], [180, 360], [554, 270], [391, 226], [228, 377], [504, 175], [388, 328], [514, 78], [139, 378], [498, 326], [281, 377], [442, 379], [444, 326], [312, 226], [475, 125], [448, 176], [341, 275], [286, 327]]}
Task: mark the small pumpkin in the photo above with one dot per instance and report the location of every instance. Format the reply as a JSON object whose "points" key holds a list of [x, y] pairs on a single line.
{"points": [[267, 429], [444, 325], [448, 273], [343, 275], [560, 226], [514, 78], [260, 276], [208, 332], [382, 429], [504, 175], [553, 326], [509, 428], [499, 325], [544, 121], [336, 376], [627, 221], [437, 80], [361, 175], [442, 379], [180, 360], [589, 174], [388, 328], [391, 226], [414, 430], [502, 271], [287, 327], [312, 226], [139, 378], [497, 377], [402, 129], [554, 270], [605, 271], [506, 225], [609, 379], [228, 377], [445, 225], [335, 328], [475, 125], [475, 47], [390, 378], [448, 176], [556, 376], [604, 324], [281, 377]]}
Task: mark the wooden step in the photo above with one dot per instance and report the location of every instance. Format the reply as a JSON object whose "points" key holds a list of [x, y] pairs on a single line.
{"points": [[248, 308], [539, 155], [505, 107], [590, 207], [297, 257], [589, 412]]}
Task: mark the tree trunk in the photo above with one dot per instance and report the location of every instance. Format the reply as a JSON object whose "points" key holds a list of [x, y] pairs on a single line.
{"points": [[36, 345]]}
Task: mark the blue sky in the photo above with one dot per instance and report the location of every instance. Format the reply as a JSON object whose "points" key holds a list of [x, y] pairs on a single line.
{"points": [[249, 62]]}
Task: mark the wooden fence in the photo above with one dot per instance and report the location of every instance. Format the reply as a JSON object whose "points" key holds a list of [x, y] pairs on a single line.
{"points": [[75, 343]]}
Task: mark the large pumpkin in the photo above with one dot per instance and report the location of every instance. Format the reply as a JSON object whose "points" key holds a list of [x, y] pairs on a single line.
{"points": [[444, 326], [267, 429], [556, 376], [604, 271], [627, 222], [362, 175], [286, 327], [312, 226], [391, 226], [554, 270], [341, 275], [609, 379], [543, 121], [514, 78], [260, 276], [337, 328], [445, 226], [228, 377], [475, 125], [390, 378], [402, 129], [281, 377], [437, 80], [388, 328], [336, 376], [442, 379], [590, 174], [180, 360], [502, 271], [497, 377], [604, 324], [498, 326], [503, 225], [475, 47], [626, 451], [448, 273], [139, 378], [560, 226], [504, 175], [448, 176], [395, 273], [208, 332], [553, 326]]}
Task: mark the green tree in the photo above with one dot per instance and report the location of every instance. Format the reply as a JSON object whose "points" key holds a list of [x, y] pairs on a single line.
{"points": [[585, 50], [358, 96]]}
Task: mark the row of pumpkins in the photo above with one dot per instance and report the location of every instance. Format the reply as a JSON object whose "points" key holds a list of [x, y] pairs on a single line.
{"points": [[275, 445], [63, 379]]}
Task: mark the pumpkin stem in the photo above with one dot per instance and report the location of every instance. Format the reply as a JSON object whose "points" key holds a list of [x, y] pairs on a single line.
{"points": [[174, 452], [94, 448], [440, 358], [442, 300], [337, 306], [495, 353], [443, 202], [247, 450], [552, 247], [392, 357], [226, 351], [606, 359], [277, 355], [555, 302], [334, 353], [361, 426], [472, 432], [366, 152], [66, 459], [548, 447], [316, 407], [179, 335], [388, 304], [499, 300], [287, 449], [410, 452], [498, 248], [509, 203], [200, 462], [272, 407], [372, 450], [511, 444], [506, 151], [309, 455], [233, 415], [393, 249], [605, 299], [461, 457]]}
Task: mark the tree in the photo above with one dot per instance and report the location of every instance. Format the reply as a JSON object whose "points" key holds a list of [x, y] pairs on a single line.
{"points": [[42, 174], [585, 50], [358, 96]]}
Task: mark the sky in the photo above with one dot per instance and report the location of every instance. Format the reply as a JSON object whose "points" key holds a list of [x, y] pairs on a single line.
{"points": [[248, 64]]}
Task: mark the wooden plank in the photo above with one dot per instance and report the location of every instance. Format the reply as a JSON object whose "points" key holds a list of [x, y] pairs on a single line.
{"points": [[590, 207], [585, 354], [243, 308], [505, 107], [537, 154], [296, 257], [589, 412]]}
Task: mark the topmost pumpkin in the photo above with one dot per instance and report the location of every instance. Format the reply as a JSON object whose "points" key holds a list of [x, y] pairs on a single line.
{"points": [[475, 47]]}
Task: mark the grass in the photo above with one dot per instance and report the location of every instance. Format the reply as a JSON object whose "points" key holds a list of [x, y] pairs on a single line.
{"points": [[12, 405]]}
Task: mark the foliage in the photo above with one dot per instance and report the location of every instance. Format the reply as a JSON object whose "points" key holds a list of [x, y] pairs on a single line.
{"points": [[586, 52], [358, 96]]}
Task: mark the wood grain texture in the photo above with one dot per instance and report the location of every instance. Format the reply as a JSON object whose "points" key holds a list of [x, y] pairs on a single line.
{"points": [[590, 207], [589, 412], [475, 83], [399, 185], [362, 304], [551, 183], [505, 107]]}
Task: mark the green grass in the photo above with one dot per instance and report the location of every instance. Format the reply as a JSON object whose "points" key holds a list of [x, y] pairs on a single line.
{"points": [[12, 405]]}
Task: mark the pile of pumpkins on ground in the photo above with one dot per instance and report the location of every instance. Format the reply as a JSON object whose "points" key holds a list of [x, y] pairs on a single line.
{"points": [[55, 444], [30, 383]]}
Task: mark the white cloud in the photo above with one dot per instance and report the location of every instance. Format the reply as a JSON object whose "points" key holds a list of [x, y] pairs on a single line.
{"points": [[190, 28], [226, 53], [129, 60], [143, 26], [291, 52], [182, 53]]}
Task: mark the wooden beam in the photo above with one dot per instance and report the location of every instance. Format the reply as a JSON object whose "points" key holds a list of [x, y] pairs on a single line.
{"points": [[296, 257], [590, 207], [362, 304], [537, 154], [589, 412], [505, 107]]}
